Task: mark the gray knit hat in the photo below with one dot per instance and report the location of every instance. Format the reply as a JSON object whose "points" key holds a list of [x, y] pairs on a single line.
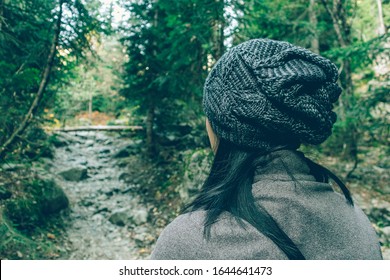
{"points": [[264, 93]]}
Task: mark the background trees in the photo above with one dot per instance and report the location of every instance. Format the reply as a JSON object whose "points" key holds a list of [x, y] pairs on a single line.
{"points": [[168, 47], [171, 46], [63, 57]]}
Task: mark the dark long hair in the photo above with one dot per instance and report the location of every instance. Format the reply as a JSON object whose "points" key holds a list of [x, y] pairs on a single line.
{"points": [[229, 188]]}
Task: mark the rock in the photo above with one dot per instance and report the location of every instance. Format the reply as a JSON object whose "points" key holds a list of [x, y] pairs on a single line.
{"points": [[101, 209], [98, 218], [386, 232], [59, 141], [379, 213], [4, 193], [139, 216], [128, 150], [101, 138], [140, 230], [105, 151], [119, 217], [129, 188], [134, 144], [143, 239], [83, 162], [53, 198], [122, 162], [89, 143], [122, 153], [86, 203], [386, 253], [75, 174], [102, 197], [124, 177]]}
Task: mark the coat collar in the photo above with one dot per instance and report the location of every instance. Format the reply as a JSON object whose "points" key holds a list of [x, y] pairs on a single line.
{"points": [[282, 165]]}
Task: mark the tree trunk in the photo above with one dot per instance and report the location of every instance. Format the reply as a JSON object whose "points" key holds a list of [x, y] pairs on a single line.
{"points": [[90, 107], [314, 43], [334, 14], [219, 29], [151, 104], [149, 128], [342, 29], [381, 24], [42, 86]]}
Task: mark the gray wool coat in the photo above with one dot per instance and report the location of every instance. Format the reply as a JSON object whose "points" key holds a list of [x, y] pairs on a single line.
{"points": [[312, 214]]}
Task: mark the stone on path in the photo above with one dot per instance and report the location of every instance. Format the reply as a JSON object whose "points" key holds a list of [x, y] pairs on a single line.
{"points": [[119, 217], [127, 216], [139, 216], [75, 174]]}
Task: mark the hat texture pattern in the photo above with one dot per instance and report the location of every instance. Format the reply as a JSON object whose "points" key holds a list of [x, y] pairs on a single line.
{"points": [[264, 93]]}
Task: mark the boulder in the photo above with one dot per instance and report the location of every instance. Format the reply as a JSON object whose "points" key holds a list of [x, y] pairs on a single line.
{"points": [[75, 174], [53, 198]]}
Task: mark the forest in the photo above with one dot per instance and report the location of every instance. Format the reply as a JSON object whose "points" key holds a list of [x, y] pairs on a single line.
{"points": [[102, 131]]}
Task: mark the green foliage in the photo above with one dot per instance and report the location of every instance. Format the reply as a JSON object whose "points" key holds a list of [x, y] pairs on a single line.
{"points": [[24, 213], [12, 241], [171, 46], [30, 208], [279, 20], [26, 35]]}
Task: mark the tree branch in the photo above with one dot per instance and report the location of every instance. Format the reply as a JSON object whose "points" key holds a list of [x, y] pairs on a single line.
{"points": [[335, 20]]}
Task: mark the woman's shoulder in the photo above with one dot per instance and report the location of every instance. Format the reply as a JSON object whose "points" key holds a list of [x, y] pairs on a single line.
{"points": [[182, 238]]}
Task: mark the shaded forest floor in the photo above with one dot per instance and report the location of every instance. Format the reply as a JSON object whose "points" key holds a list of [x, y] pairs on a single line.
{"points": [[120, 201]]}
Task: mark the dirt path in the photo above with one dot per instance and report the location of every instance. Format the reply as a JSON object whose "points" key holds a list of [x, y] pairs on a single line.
{"points": [[106, 220]]}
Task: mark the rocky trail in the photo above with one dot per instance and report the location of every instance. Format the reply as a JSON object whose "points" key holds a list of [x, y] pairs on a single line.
{"points": [[107, 219]]}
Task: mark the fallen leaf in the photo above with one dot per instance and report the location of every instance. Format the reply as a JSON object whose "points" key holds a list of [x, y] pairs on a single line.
{"points": [[51, 236]]}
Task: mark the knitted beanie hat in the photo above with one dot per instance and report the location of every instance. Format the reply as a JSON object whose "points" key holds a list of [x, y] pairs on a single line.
{"points": [[263, 93]]}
